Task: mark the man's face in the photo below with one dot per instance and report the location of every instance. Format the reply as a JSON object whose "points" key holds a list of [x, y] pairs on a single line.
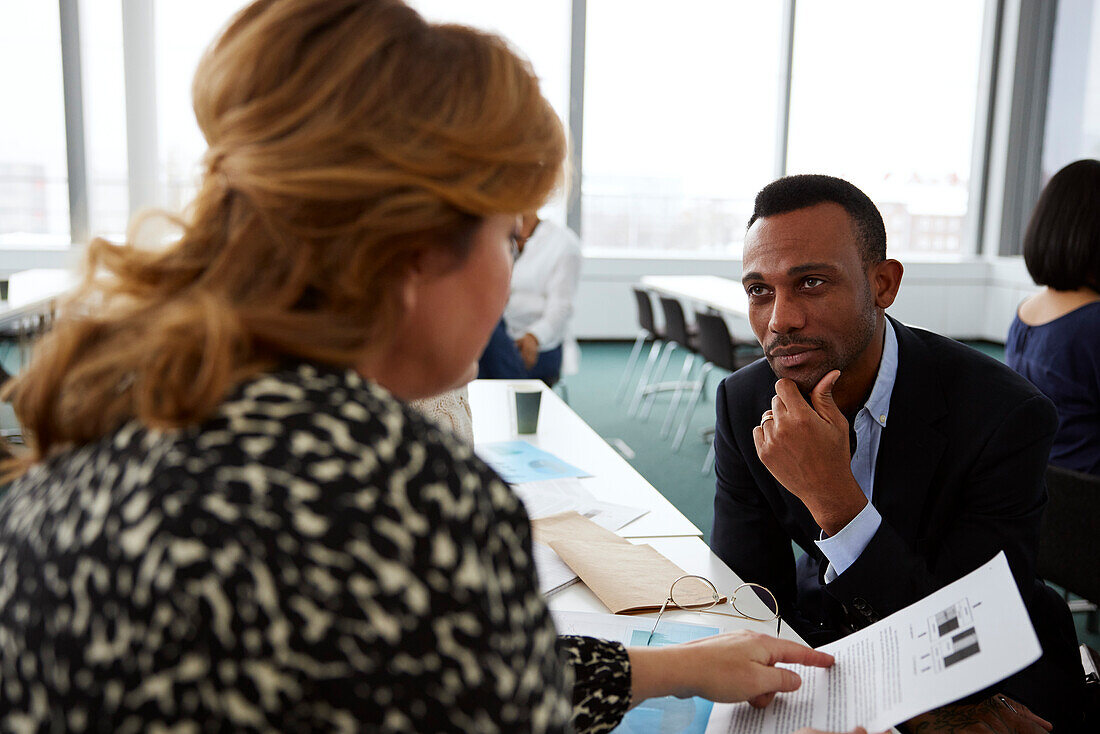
{"points": [[811, 303]]}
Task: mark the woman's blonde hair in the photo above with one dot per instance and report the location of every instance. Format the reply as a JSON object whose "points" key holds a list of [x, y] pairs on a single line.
{"points": [[344, 136]]}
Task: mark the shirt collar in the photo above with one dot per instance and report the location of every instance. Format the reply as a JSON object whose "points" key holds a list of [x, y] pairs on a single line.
{"points": [[878, 404]]}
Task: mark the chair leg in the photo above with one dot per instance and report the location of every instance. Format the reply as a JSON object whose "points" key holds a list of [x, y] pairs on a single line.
{"points": [[693, 403], [651, 394], [708, 463], [674, 407], [643, 380], [624, 381]]}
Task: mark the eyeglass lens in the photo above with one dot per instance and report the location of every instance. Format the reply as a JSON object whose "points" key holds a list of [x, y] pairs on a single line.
{"points": [[755, 602], [694, 592]]}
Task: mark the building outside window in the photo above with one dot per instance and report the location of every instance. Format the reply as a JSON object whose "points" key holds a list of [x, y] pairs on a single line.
{"points": [[884, 94]]}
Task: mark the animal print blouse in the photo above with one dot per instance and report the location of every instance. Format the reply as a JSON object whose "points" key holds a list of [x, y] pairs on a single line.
{"points": [[314, 557]]}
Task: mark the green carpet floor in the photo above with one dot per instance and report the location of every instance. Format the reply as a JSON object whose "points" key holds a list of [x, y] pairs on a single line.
{"points": [[592, 393]]}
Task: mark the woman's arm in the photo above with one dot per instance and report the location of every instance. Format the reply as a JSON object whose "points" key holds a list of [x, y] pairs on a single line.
{"points": [[736, 666]]}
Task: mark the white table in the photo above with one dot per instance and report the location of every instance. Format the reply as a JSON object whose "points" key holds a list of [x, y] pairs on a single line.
{"points": [[721, 294], [565, 434]]}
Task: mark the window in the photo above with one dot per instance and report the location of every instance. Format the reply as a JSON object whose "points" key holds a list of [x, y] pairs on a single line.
{"points": [[539, 31], [1072, 127], [883, 94], [104, 93], [182, 32], [679, 122], [34, 193]]}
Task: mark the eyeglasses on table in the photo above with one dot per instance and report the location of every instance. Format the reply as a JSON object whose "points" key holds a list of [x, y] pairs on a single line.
{"points": [[697, 594]]}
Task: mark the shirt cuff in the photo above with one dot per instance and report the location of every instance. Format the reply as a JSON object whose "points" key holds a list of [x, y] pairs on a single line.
{"points": [[545, 333], [844, 548]]}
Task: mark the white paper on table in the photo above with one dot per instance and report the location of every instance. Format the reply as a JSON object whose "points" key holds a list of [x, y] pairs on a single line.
{"points": [[553, 573], [553, 496], [958, 640]]}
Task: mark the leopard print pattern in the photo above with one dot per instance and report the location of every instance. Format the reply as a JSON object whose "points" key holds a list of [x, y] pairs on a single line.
{"points": [[313, 557]]}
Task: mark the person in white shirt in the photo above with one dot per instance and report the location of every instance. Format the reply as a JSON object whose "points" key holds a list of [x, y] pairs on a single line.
{"points": [[538, 316]]}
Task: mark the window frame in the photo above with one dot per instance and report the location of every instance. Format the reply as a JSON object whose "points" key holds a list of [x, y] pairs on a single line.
{"points": [[1008, 127]]}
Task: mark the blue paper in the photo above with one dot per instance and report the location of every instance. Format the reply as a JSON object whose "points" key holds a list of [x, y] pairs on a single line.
{"points": [[670, 714], [518, 461]]}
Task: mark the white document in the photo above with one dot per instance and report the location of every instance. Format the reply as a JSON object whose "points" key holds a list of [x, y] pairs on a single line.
{"points": [[554, 575], [552, 496], [958, 640]]}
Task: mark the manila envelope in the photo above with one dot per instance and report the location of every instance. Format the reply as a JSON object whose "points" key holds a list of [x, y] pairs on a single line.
{"points": [[627, 578], [572, 526]]}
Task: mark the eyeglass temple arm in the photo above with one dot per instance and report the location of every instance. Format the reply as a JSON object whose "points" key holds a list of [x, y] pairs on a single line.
{"points": [[656, 621]]}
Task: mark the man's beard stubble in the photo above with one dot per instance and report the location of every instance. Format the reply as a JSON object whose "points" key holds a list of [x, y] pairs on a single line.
{"points": [[839, 354]]}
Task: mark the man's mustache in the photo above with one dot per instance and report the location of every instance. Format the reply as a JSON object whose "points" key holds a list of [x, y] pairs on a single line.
{"points": [[783, 342]]}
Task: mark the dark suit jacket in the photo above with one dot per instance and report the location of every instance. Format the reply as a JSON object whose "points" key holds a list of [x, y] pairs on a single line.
{"points": [[959, 477]]}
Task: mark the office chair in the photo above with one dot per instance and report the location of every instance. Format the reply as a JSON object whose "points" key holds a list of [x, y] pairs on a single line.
{"points": [[1069, 544], [719, 349], [647, 333], [677, 334]]}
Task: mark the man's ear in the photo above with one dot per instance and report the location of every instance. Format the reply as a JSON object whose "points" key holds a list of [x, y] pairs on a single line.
{"points": [[885, 280]]}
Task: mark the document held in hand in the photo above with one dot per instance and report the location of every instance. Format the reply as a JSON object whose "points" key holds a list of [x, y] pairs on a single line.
{"points": [[965, 637]]}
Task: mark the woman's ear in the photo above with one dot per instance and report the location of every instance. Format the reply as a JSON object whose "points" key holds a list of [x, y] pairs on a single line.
{"points": [[419, 268]]}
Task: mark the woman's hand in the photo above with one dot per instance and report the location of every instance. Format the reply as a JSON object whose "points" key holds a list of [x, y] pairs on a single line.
{"points": [[528, 346], [731, 667]]}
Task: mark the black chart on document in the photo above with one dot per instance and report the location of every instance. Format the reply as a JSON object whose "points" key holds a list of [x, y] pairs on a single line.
{"points": [[950, 636]]}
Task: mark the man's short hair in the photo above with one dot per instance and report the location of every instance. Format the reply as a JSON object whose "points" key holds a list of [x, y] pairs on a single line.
{"points": [[1062, 242], [791, 193]]}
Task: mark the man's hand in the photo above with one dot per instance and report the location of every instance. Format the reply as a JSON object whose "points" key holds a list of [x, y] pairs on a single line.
{"points": [[528, 347], [806, 450], [995, 714]]}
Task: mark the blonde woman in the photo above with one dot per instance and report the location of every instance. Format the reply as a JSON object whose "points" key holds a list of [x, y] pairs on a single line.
{"points": [[228, 519]]}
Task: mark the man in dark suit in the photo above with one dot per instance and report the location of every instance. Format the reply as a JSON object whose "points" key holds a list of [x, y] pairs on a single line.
{"points": [[898, 460]]}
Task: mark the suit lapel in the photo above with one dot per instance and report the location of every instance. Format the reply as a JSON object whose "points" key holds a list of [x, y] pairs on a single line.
{"points": [[912, 444]]}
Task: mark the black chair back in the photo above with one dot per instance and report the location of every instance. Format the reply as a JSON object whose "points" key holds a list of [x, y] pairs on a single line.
{"points": [[1069, 539], [715, 342], [645, 311], [675, 324], [720, 348]]}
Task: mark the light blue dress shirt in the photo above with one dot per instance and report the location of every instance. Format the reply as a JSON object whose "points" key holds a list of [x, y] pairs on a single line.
{"points": [[845, 547]]}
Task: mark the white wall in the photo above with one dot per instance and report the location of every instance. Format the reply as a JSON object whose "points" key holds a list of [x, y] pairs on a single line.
{"points": [[968, 299]]}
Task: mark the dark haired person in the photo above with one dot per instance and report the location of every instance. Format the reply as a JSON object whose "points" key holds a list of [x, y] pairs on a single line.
{"points": [[1054, 340], [897, 459]]}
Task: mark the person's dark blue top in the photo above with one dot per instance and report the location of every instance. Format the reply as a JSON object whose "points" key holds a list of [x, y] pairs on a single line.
{"points": [[1062, 358]]}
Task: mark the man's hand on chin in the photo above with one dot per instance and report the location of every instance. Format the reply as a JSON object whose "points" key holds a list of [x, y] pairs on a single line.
{"points": [[806, 449]]}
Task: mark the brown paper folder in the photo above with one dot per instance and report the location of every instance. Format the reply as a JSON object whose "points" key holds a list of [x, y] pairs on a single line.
{"points": [[627, 578], [572, 526]]}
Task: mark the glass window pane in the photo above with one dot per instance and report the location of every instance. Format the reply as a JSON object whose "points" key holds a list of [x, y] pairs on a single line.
{"points": [[680, 122], [183, 31], [883, 94], [104, 94], [539, 31], [1073, 112], [34, 192]]}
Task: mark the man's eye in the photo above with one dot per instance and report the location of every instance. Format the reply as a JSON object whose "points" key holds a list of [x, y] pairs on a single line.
{"points": [[756, 290], [812, 282]]}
